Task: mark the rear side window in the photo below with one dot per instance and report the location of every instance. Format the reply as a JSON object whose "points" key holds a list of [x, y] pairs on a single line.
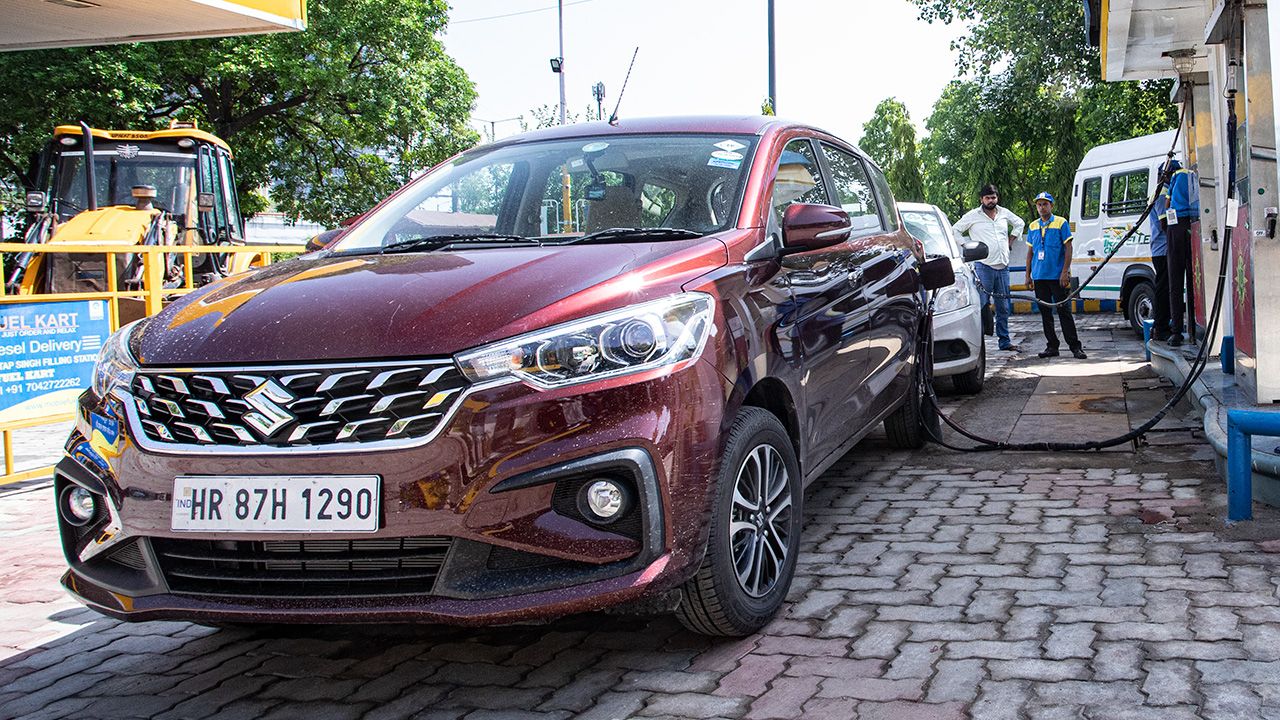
{"points": [[799, 180], [852, 189], [887, 203], [1127, 194], [1091, 203]]}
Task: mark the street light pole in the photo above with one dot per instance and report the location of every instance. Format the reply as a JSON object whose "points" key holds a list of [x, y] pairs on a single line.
{"points": [[773, 87], [560, 4]]}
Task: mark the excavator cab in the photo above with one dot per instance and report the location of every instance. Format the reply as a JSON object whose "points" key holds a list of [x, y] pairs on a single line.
{"points": [[191, 201]]}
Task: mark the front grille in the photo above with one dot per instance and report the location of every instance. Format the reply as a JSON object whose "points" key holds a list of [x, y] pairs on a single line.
{"points": [[374, 567], [296, 405], [129, 555]]}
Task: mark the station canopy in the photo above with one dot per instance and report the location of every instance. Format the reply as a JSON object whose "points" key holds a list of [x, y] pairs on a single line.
{"points": [[1136, 36], [35, 24]]}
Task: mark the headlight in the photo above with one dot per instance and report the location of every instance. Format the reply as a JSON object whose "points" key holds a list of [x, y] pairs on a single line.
{"points": [[632, 339], [115, 366], [954, 297]]}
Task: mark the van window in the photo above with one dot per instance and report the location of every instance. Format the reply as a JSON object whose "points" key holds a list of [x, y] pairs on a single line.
{"points": [[1128, 192], [1091, 206]]}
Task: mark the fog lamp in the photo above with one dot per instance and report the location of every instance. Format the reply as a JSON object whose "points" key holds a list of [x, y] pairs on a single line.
{"points": [[78, 505], [603, 500]]}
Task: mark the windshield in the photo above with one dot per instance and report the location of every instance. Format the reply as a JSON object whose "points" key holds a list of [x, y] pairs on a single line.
{"points": [[118, 167], [926, 226], [559, 190]]}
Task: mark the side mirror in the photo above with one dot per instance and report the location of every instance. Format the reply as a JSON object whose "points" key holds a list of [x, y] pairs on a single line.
{"points": [[35, 201], [938, 273], [974, 251], [813, 227], [322, 240], [204, 202]]}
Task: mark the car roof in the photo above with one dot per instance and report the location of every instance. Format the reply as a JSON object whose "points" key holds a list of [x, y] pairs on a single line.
{"points": [[692, 124]]}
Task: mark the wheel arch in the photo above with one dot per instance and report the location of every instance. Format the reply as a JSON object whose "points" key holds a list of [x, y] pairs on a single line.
{"points": [[772, 394]]}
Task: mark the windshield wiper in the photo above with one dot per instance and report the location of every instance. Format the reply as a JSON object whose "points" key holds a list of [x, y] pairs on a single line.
{"points": [[435, 242], [620, 233]]}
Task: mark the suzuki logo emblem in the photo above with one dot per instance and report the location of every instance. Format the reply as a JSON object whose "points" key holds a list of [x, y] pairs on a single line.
{"points": [[268, 417]]}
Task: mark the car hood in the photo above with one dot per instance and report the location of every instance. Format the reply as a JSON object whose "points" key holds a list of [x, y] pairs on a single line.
{"points": [[331, 307]]}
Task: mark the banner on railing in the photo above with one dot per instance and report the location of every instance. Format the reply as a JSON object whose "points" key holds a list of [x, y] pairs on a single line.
{"points": [[47, 351]]}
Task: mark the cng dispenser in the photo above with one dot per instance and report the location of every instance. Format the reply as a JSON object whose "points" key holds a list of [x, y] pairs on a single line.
{"points": [[1242, 29]]}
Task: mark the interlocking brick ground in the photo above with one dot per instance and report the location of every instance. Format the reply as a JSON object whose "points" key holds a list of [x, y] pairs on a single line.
{"points": [[930, 585]]}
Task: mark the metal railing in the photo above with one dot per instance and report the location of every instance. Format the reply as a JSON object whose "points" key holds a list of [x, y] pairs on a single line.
{"points": [[152, 294]]}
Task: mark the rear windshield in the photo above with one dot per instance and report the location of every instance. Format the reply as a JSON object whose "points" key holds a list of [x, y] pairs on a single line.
{"points": [[563, 189]]}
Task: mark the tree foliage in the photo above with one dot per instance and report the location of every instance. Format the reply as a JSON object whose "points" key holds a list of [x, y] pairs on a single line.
{"points": [[890, 139], [1028, 104], [330, 120]]}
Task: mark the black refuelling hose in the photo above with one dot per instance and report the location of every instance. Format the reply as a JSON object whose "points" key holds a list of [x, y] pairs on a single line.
{"points": [[924, 376], [1142, 219]]}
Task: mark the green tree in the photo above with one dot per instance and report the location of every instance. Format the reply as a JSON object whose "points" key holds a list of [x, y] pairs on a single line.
{"points": [[330, 120], [890, 139], [1029, 104]]}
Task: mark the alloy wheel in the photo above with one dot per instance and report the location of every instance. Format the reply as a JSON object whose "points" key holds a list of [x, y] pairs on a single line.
{"points": [[759, 528]]}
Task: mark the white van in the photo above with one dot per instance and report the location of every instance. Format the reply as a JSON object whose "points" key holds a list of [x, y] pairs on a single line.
{"points": [[1113, 185]]}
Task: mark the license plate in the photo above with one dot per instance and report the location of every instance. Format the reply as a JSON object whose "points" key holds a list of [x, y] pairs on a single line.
{"points": [[290, 503]]}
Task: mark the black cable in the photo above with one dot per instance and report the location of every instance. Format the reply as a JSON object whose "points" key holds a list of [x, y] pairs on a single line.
{"points": [[1197, 367]]}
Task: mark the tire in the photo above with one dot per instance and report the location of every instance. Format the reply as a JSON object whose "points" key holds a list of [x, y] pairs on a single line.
{"points": [[970, 383], [905, 427], [718, 600], [1141, 305]]}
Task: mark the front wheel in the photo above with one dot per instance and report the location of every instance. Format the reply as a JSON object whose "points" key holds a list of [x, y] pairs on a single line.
{"points": [[755, 532], [1141, 306], [905, 427], [970, 383]]}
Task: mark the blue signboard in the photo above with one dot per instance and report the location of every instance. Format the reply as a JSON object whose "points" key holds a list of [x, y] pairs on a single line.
{"points": [[47, 351]]}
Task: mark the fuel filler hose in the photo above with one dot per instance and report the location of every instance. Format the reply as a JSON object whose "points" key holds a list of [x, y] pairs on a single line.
{"points": [[924, 369], [1142, 219]]}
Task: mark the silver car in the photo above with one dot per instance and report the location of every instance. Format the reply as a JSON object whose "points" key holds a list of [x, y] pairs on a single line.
{"points": [[958, 349]]}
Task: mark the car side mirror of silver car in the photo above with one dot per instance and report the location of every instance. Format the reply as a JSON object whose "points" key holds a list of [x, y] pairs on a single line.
{"points": [[813, 227], [974, 251], [938, 273]]}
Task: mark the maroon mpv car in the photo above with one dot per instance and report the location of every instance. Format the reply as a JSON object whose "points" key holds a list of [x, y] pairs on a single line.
{"points": [[574, 369]]}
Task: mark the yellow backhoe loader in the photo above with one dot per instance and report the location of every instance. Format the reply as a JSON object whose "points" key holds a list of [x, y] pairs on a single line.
{"points": [[163, 187]]}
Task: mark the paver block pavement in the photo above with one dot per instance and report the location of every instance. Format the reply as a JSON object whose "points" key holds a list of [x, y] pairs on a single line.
{"points": [[929, 585]]}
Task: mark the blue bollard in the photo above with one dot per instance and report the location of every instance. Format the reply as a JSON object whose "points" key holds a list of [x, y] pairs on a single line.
{"points": [[1228, 356], [1146, 337], [1242, 425]]}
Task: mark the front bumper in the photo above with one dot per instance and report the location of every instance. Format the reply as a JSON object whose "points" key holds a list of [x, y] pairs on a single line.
{"points": [[957, 341], [475, 526]]}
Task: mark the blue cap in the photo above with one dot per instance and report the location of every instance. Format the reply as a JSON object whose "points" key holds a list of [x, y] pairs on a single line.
{"points": [[1044, 196]]}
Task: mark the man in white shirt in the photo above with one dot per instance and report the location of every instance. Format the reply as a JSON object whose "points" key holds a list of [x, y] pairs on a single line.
{"points": [[997, 228]]}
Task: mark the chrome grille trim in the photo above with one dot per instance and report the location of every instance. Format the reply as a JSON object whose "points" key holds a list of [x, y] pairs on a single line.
{"points": [[400, 422]]}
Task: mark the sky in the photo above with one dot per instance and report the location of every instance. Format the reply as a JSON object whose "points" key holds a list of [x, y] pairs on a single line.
{"points": [[836, 59]]}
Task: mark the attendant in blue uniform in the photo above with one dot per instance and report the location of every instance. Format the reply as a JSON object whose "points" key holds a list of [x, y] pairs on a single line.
{"points": [[1160, 261], [1184, 208], [1049, 267]]}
